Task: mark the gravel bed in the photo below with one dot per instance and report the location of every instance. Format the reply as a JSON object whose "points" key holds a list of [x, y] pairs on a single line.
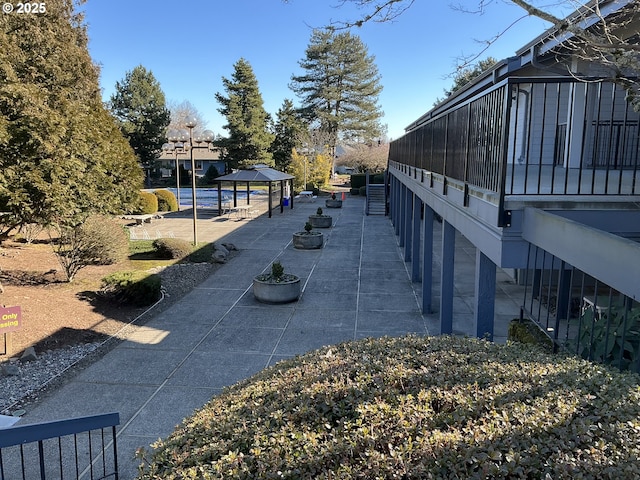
{"points": [[31, 379]]}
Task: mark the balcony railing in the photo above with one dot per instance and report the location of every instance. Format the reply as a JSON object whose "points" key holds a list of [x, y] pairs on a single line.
{"points": [[82, 447], [581, 314], [534, 136]]}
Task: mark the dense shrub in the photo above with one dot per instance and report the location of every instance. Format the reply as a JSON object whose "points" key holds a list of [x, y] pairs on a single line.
{"points": [[174, 248], [135, 288], [100, 240], [210, 175], [378, 178], [148, 203], [414, 407], [363, 191], [167, 201], [354, 191], [527, 332], [358, 180]]}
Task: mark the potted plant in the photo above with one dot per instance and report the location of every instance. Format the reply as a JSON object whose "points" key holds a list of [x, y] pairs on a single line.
{"points": [[333, 202], [308, 239], [277, 286], [319, 220]]}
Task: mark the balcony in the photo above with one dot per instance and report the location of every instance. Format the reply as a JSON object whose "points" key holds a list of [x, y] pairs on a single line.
{"points": [[551, 143]]}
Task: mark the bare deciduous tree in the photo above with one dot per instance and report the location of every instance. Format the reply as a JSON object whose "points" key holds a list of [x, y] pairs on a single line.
{"points": [[180, 111], [363, 157], [612, 41]]}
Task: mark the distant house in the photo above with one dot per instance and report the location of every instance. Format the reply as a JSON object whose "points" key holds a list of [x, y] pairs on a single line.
{"points": [[203, 158], [540, 171]]}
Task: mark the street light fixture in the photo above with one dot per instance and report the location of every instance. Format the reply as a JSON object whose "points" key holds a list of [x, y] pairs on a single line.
{"points": [[307, 152], [176, 149], [182, 141]]}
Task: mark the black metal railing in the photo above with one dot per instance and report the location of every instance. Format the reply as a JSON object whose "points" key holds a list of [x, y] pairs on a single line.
{"points": [[76, 448], [532, 136], [579, 313]]}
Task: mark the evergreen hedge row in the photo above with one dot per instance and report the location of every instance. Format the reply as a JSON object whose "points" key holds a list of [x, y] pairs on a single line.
{"points": [[414, 408]]}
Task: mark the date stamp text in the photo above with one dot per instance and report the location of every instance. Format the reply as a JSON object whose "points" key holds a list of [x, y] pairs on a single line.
{"points": [[27, 8]]}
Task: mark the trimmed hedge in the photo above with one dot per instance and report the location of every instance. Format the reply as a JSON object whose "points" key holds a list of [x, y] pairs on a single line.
{"points": [[414, 407], [167, 201], [362, 191], [172, 248], [358, 180], [148, 203], [133, 287]]}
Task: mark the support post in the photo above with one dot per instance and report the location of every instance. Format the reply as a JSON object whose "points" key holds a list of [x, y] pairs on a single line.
{"points": [[427, 260], [446, 278], [408, 213], [403, 215], [415, 251], [485, 296]]}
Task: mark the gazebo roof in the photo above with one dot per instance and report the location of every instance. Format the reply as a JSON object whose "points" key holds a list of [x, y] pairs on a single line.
{"points": [[258, 173]]}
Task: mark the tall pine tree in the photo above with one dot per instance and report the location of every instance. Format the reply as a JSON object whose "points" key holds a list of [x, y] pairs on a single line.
{"points": [[340, 87], [289, 129], [61, 155], [140, 107], [247, 121]]}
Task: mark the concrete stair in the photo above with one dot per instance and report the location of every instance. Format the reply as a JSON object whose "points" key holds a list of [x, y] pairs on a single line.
{"points": [[376, 204]]}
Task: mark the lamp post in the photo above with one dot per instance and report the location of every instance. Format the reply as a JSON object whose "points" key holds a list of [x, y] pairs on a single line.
{"points": [[183, 141], [307, 152], [175, 148]]}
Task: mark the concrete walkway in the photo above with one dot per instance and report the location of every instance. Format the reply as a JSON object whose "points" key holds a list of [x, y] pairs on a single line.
{"points": [[356, 286]]}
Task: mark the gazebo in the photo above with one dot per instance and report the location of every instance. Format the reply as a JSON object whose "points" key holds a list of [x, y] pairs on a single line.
{"points": [[257, 174]]}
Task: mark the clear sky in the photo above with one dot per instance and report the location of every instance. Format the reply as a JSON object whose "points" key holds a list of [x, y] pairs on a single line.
{"points": [[190, 45]]}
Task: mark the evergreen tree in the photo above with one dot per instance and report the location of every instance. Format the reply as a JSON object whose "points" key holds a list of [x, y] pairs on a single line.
{"points": [[61, 155], [466, 75], [340, 87], [247, 120], [288, 130], [140, 108]]}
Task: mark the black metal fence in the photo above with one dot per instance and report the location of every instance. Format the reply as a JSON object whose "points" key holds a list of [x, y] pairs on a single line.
{"points": [[581, 314], [78, 448], [532, 136]]}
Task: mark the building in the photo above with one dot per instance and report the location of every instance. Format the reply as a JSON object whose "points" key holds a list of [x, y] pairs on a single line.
{"points": [[536, 162], [203, 158]]}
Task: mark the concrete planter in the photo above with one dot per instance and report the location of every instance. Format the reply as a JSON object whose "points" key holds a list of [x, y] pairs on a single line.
{"points": [[270, 291], [320, 221], [330, 203], [308, 240]]}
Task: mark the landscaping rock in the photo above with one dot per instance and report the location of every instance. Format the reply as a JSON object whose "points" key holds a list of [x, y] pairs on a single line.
{"points": [[29, 355], [10, 369]]}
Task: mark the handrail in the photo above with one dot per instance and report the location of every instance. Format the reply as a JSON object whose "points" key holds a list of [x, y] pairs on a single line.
{"points": [[21, 434], [27, 443]]}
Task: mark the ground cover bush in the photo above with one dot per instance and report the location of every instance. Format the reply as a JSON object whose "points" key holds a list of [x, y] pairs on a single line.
{"points": [[174, 248], [167, 201], [414, 407], [132, 287]]}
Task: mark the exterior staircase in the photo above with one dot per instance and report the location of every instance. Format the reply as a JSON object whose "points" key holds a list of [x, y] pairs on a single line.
{"points": [[376, 202]]}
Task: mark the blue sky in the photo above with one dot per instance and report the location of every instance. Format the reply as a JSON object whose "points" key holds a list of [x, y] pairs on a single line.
{"points": [[190, 45]]}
